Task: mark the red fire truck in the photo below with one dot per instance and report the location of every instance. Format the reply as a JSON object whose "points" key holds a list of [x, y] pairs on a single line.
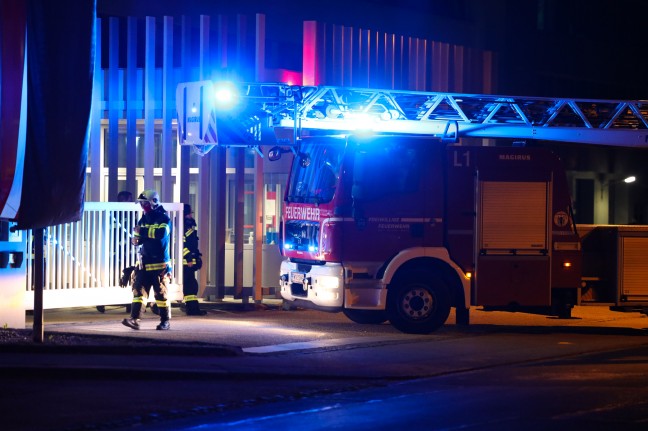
{"points": [[384, 219]]}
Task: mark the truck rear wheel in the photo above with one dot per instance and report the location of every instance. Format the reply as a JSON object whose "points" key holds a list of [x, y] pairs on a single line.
{"points": [[418, 303], [370, 317]]}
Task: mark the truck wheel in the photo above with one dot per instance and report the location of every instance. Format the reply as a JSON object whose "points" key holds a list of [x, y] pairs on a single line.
{"points": [[418, 303], [367, 317]]}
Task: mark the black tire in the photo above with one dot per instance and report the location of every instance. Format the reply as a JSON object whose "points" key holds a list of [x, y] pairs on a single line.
{"points": [[101, 308], [287, 306], [418, 303], [366, 317]]}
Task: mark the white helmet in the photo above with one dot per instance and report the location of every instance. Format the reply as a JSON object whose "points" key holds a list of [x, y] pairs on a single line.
{"points": [[150, 196]]}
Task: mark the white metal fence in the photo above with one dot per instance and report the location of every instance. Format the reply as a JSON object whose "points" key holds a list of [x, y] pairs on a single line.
{"points": [[84, 260]]}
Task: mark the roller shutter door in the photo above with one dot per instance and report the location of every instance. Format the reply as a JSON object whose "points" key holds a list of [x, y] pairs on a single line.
{"points": [[634, 267], [513, 217]]}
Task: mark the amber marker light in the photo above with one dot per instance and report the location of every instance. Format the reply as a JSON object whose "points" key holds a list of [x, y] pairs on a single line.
{"points": [[469, 275], [567, 264]]}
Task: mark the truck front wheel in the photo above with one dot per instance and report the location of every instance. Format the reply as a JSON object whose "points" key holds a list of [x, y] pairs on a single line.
{"points": [[418, 303]]}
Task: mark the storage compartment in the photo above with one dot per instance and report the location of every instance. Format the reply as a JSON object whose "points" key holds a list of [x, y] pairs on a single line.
{"points": [[513, 261], [615, 265]]}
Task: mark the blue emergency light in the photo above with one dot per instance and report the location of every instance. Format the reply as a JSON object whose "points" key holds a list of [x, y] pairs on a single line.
{"points": [[226, 95]]}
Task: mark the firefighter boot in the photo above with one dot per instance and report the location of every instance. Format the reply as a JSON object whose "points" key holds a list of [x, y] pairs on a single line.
{"points": [[165, 315], [193, 309], [133, 321]]}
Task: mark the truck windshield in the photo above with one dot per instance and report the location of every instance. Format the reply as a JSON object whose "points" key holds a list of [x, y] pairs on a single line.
{"points": [[315, 172]]}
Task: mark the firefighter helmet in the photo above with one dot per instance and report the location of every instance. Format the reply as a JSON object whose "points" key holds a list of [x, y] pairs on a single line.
{"points": [[150, 196]]}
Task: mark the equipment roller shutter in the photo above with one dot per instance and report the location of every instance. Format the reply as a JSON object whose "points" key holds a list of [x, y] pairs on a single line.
{"points": [[634, 268], [513, 217]]}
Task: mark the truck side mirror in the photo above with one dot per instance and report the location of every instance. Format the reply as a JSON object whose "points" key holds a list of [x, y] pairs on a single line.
{"points": [[274, 154]]}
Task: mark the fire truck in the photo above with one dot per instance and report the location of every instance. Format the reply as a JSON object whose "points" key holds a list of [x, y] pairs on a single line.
{"points": [[392, 214]]}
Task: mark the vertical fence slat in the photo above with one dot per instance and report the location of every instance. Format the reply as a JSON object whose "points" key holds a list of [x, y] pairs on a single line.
{"points": [[54, 272], [30, 262], [93, 249], [66, 253], [88, 255]]}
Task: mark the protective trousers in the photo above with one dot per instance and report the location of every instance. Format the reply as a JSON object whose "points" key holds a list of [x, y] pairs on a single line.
{"points": [[144, 281], [190, 291]]}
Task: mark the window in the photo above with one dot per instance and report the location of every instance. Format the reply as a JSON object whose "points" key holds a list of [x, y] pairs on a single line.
{"points": [[122, 154], [248, 208], [315, 173], [380, 170]]}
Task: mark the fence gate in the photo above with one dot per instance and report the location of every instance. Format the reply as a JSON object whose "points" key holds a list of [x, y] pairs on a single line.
{"points": [[84, 260]]}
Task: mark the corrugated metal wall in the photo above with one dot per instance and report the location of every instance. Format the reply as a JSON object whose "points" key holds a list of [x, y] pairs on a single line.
{"points": [[143, 60], [355, 57]]}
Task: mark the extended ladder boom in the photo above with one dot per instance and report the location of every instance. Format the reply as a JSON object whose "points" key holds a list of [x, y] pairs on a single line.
{"points": [[296, 111]]}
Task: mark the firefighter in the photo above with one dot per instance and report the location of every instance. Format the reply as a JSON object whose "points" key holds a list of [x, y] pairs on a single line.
{"points": [[151, 234], [191, 262]]}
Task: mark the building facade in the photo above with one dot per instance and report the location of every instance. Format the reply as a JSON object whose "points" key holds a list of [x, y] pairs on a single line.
{"points": [[235, 193]]}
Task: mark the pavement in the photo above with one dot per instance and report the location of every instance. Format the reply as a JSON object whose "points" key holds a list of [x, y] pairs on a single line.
{"points": [[91, 372], [86, 329], [253, 339]]}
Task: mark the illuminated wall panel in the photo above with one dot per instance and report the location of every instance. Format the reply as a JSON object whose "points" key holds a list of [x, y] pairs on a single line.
{"points": [[358, 57]]}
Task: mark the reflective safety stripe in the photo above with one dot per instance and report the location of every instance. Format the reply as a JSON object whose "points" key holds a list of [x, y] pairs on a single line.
{"points": [[152, 228], [162, 304], [189, 232], [137, 299], [184, 261], [185, 251], [189, 298], [156, 266]]}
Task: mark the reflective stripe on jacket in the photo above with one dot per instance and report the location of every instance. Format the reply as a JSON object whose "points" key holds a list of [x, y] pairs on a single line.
{"points": [[190, 251]]}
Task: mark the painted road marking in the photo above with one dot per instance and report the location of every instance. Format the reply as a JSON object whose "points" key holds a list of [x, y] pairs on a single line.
{"points": [[319, 344]]}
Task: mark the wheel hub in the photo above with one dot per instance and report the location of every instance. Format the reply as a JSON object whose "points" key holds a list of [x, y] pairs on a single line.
{"points": [[417, 303]]}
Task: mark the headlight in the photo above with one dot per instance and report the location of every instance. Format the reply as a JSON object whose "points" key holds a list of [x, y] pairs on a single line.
{"points": [[328, 282]]}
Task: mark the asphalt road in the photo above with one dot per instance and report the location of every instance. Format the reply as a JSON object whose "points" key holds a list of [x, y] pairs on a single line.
{"points": [[235, 367], [599, 391]]}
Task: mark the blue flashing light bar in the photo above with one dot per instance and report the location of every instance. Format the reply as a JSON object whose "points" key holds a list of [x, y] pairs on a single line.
{"points": [[226, 95]]}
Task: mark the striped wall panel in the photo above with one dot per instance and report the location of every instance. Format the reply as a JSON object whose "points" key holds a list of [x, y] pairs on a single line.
{"points": [[356, 57]]}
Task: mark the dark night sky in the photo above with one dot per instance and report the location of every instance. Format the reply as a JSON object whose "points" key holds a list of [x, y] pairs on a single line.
{"points": [[567, 48]]}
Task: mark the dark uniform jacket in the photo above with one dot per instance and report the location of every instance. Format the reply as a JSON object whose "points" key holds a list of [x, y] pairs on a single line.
{"points": [[190, 252], [153, 238]]}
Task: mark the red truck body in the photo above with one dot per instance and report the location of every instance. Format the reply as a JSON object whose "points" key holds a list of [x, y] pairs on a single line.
{"points": [[403, 228]]}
